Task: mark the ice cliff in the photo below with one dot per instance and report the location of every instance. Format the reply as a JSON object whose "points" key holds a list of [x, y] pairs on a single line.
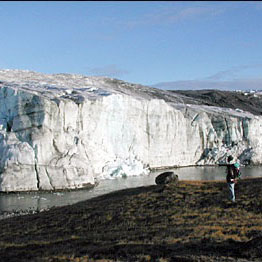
{"points": [[66, 131]]}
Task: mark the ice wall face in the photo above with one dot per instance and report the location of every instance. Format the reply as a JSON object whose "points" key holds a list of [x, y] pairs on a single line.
{"points": [[67, 131]]}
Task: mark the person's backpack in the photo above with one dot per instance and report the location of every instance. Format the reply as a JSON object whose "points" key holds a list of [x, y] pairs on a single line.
{"points": [[236, 170]]}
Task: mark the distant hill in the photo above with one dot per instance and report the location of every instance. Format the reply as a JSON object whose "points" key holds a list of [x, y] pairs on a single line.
{"points": [[246, 101]]}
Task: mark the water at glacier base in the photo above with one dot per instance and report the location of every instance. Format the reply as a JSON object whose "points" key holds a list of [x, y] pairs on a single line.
{"points": [[44, 200]]}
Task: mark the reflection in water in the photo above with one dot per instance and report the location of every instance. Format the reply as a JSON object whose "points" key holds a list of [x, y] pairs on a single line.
{"points": [[44, 200]]}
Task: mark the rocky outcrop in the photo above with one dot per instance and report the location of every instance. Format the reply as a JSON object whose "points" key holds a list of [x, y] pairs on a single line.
{"points": [[68, 131]]}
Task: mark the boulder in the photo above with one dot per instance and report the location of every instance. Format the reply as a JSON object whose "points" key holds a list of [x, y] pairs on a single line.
{"points": [[166, 178]]}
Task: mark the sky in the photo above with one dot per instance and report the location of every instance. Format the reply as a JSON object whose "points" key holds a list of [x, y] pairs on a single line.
{"points": [[165, 44]]}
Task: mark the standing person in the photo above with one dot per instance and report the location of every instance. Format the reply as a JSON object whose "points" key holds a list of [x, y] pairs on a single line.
{"points": [[232, 174]]}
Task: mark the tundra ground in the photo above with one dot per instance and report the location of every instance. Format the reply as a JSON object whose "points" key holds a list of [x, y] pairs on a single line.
{"points": [[190, 221]]}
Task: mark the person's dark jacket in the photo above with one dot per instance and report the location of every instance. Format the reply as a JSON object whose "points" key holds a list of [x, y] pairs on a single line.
{"points": [[231, 175]]}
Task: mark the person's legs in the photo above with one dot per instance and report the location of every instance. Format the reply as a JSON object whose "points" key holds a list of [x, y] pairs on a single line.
{"points": [[231, 187]]}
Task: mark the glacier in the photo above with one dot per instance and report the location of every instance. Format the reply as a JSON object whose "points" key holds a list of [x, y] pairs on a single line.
{"points": [[67, 131]]}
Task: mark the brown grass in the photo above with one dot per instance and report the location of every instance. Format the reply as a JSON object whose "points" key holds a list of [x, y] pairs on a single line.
{"points": [[186, 222]]}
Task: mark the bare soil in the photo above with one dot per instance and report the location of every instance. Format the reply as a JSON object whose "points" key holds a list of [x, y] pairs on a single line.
{"points": [[190, 221]]}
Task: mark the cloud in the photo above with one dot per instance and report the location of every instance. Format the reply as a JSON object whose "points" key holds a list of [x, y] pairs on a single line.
{"points": [[232, 72], [176, 14], [193, 12], [239, 84], [223, 80], [108, 70]]}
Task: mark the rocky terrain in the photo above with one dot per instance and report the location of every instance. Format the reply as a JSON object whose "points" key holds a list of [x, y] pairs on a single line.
{"points": [[65, 131], [238, 100], [186, 221]]}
